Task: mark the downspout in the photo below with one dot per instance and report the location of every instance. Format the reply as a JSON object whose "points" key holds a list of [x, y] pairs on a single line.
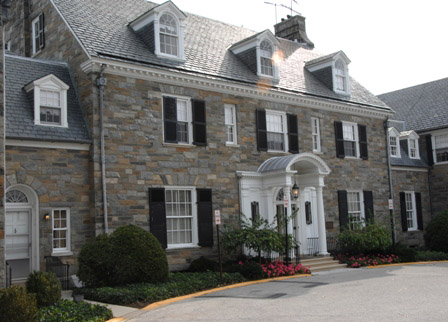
{"points": [[389, 170], [101, 82]]}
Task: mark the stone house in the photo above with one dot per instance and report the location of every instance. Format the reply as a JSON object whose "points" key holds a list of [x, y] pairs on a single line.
{"points": [[135, 112], [418, 135]]}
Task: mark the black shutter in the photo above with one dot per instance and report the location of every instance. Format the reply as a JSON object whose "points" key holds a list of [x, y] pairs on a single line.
{"points": [[418, 205], [199, 123], [429, 149], [343, 209], [339, 135], [170, 119], [157, 215], [368, 206], [41, 31], [205, 217], [293, 133], [262, 136], [404, 219], [362, 132]]}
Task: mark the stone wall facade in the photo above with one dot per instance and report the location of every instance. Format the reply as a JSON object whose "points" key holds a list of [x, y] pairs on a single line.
{"points": [[60, 178], [2, 156], [417, 181], [439, 187]]}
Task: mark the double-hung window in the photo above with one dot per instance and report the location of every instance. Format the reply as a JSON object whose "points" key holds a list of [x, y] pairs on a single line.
{"points": [[180, 221], [394, 145], [61, 230], [266, 53], [413, 149], [276, 133], [50, 107], [350, 131], [340, 76], [411, 213], [355, 209], [230, 123], [441, 148], [315, 130], [168, 35]]}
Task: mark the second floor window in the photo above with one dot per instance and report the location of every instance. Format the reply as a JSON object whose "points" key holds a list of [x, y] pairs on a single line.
{"points": [[315, 129], [350, 131], [441, 148], [38, 36], [275, 131], [230, 122], [168, 35]]}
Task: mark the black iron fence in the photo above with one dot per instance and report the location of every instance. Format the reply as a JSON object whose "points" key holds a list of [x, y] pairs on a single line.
{"points": [[293, 258], [54, 264]]}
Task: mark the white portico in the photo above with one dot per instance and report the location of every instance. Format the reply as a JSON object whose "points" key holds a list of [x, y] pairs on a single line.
{"points": [[262, 191]]}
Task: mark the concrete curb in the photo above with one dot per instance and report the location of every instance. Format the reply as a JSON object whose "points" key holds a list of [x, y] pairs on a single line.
{"points": [[408, 263]]}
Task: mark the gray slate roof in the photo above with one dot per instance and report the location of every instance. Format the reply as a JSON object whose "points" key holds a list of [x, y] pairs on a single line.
{"points": [[102, 27], [406, 161], [20, 109], [422, 107]]}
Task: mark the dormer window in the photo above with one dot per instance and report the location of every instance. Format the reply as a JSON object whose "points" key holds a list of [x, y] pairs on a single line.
{"points": [[394, 143], [50, 101], [410, 139], [339, 76], [168, 35], [162, 30], [413, 149], [266, 53]]}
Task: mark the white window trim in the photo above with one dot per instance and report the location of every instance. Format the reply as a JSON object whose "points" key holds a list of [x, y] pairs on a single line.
{"points": [[194, 221], [285, 130], [356, 135], [361, 204], [180, 37], [397, 140], [414, 211], [189, 116], [417, 149], [346, 78], [274, 75], [66, 250], [50, 83], [234, 125], [315, 134], [433, 143], [33, 35]]}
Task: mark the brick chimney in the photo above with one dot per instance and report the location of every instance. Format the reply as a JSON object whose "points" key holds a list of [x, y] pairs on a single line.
{"points": [[293, 28]]}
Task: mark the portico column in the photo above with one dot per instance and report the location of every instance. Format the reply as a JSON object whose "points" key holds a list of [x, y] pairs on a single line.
{"points": [[321, 223]]}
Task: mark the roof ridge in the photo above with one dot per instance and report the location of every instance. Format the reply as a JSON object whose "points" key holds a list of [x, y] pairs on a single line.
{"points": [[414, 86], [44, 61]]}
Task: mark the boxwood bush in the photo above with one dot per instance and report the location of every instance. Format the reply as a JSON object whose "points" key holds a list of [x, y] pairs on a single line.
{"points": [[177, 285], [66, 310], [16, 305], [371, 239], [46, 286], [129, 255], [436, 233]]}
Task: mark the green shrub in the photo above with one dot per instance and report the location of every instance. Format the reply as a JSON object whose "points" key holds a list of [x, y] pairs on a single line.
{"points": [[371, 239], [139, 256], [129, 255], [436, 233], [177, 285], [405, 253], [96, 263], [46, 286], [249, 269], [17, 305], [66, 310], [203, 264], [428, 255]]}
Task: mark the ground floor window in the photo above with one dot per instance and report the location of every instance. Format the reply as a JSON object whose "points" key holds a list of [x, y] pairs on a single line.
{"points": [[355, 209], [61, 230], [179, 216]]}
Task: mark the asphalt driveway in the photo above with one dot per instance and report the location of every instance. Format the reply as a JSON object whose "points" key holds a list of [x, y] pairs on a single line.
{"points": [[400, 293]]}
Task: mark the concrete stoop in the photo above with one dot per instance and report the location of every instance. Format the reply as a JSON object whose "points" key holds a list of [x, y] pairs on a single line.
{"points": [[321, 263]]}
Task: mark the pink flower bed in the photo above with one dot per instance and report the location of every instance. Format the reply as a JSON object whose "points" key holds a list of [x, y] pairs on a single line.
{"points": [[367, 260], [279, 268]]}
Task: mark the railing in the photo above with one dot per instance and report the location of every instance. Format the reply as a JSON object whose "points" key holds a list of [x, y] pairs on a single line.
{"points": [[313, 246], [332, 245], [54, 264], [8, 275], [293, 258]]}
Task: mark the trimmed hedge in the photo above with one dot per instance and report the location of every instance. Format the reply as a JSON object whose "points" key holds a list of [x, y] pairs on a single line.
{"points": [[66, 310], [129, 255], [46, 286], [177, 285], [371, 239], [16, 305], [436, 233]]}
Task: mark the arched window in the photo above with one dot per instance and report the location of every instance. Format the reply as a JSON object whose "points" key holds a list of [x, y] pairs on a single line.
{"points": [[169, 40], [340, 76], [16, 196], [266, 53]]}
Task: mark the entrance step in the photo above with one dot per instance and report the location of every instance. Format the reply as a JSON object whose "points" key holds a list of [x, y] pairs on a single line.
{"points": [[321, 263]]}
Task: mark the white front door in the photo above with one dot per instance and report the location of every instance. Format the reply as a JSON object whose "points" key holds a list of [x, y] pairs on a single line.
{"points": [[306, 223], [18, 242]]}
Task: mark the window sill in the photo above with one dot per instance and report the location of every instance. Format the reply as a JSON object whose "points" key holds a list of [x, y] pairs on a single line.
{"points": [[182, 247], [277, 152], [318, 152], [62, 253], [234, 145], [441, 163], [352, 158], [181, 145]]}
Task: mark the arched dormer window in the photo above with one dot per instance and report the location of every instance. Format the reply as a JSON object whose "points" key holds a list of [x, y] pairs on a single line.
{"points": [[394, 143], [266, 53], [340, 76], [169, 40]]}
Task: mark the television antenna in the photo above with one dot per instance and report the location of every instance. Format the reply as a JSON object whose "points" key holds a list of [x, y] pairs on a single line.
{"points": [[284, 6]]}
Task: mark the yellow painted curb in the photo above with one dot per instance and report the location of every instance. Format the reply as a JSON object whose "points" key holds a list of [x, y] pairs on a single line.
{"points": [[406, 264], [115, 320], [189, 296]]}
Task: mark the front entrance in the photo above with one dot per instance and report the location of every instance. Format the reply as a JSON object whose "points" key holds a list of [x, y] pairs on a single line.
{"points": [[21, 232]]}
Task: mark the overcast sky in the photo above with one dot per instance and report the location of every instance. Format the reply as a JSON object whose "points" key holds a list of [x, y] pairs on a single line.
{"points": [[392, 44]]}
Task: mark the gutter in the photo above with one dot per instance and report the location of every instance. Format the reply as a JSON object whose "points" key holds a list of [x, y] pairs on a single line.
{"points": [[389, 170], [101, 82]]}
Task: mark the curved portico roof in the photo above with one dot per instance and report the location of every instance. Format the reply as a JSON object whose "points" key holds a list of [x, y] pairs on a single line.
{"points": [[284, 163]]}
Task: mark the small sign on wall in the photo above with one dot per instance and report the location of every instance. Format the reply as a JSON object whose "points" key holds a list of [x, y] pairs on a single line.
{"points": [[391, 204], [285, 201], [217, 217]]}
